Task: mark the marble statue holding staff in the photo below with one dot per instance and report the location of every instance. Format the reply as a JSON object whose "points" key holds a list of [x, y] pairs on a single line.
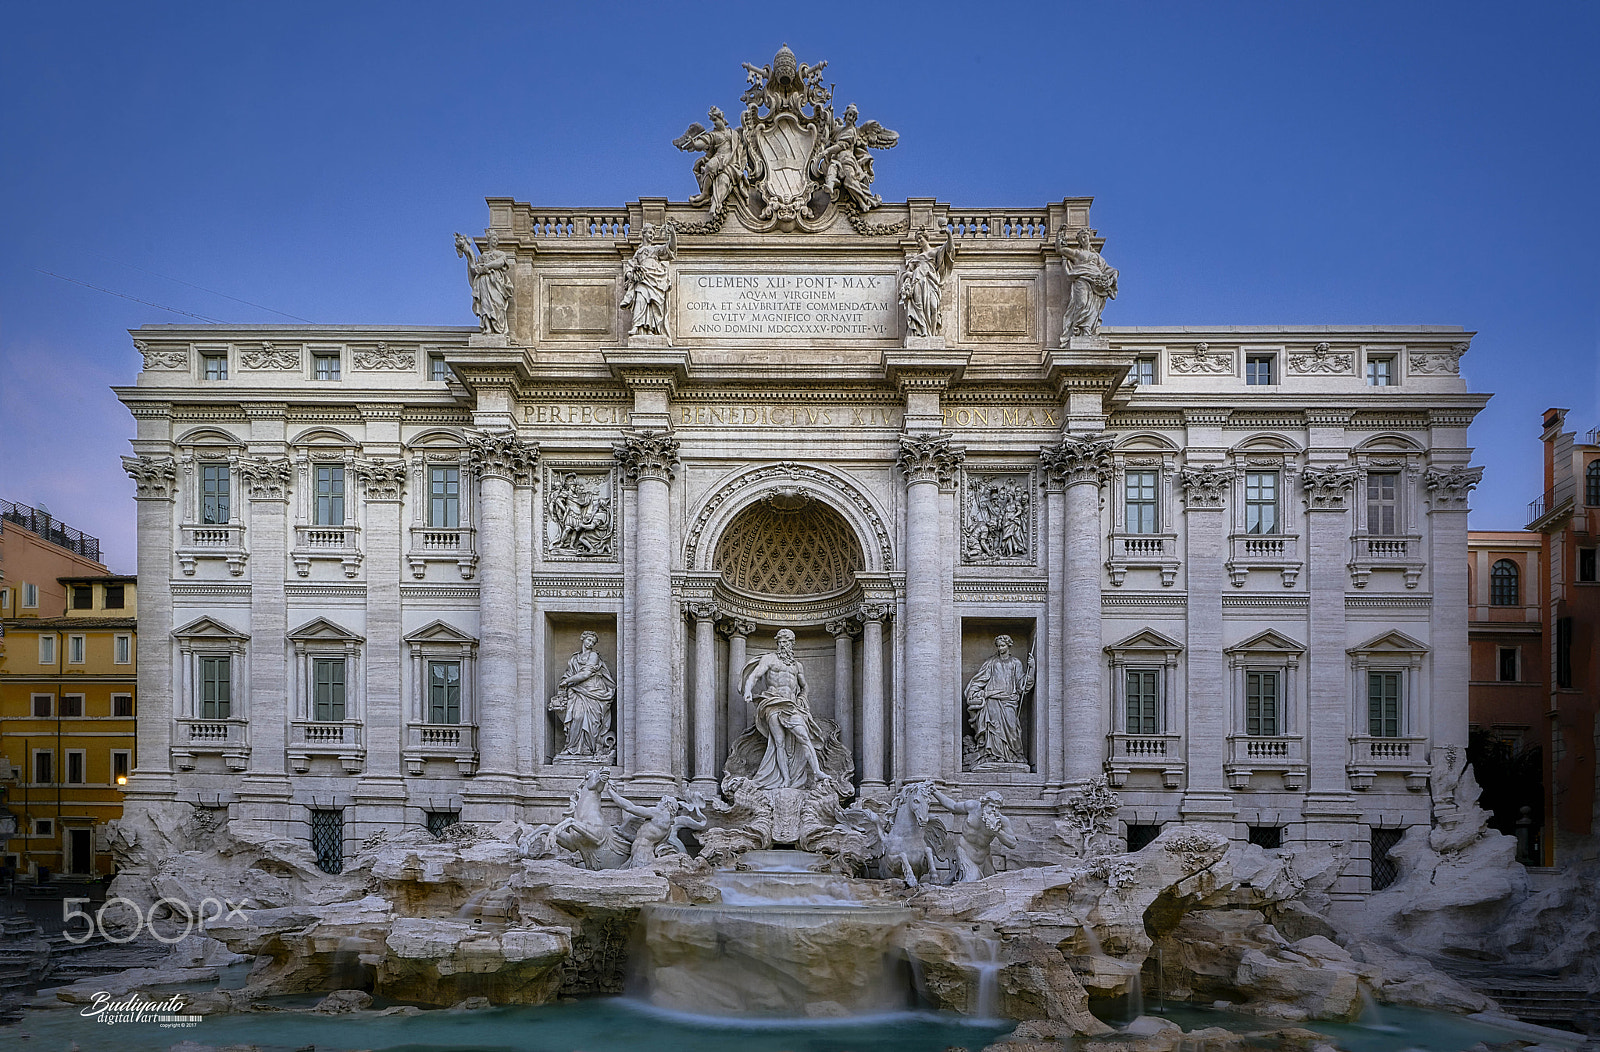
{"points": [[994, 702], [922, 283], [784, 718], [647, 280], [583, 701], [1093, 282], [489, 273]]}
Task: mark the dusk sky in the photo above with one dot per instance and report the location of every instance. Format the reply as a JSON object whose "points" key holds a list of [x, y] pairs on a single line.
{"points": [[1258, 163]]}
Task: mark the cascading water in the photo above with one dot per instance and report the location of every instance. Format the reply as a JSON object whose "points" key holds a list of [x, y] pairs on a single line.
{"points": [[986, 967], [783, 942]]}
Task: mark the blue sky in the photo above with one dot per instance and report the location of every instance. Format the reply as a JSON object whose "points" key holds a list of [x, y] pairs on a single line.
{"points": [[1252, 163]]}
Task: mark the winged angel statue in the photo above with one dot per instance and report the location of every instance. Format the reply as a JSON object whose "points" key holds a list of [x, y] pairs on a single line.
{"points": [[788, 150]]}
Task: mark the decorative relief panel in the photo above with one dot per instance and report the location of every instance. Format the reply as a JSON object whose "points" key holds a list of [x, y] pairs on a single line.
{"points": [[998, 518], [1429, 363], [384, 357], [1321, 361], [271, 356], [1201, 361], [580, 512], [154, 359]]}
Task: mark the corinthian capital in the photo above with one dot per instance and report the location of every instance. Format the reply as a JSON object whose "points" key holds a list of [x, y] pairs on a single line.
{"points": [[929, 458], [385, 479], [154, 478], [1448, 487], [647, 455], [502, 454], [1079, 458], [1326, 489], [1205, 486], [265, 478]]}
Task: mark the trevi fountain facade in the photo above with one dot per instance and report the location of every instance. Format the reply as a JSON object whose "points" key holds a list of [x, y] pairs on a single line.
{"points": [[785, 549]]}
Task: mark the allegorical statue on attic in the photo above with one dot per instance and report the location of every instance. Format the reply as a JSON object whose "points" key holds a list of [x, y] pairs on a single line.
{"points": [[647, 279], [489, 273], [922, 283], [790, 156], [1093, 281], [722, 168]]}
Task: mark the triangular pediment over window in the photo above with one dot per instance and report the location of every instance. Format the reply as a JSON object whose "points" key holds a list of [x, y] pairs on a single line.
{"points": [[1267, 642], [440, 632], [1390, 643], [321, 630], [210, 628], [1147, 640]]}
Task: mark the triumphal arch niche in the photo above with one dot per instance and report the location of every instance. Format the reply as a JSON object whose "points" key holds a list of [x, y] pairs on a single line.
{"points": [[786, 483]]}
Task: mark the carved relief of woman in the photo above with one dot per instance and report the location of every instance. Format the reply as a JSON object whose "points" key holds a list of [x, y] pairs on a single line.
{"points": [[583, 699]]}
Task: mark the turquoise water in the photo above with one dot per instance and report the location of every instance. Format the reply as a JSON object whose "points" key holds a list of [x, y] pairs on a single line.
{"points": [[623, 1025], [600, 1025]]}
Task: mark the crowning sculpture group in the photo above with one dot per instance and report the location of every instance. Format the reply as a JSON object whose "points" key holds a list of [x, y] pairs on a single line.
{"points": [[787, 779]]}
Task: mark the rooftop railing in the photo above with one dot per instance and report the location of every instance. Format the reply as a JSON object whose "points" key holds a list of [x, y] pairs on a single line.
{"points": [[48, 528]]}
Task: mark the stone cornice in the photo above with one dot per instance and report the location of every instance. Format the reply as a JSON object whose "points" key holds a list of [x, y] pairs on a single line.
{"points": [[655, 369], [923, 370], [502, 454], [647, 454], [1079, 458], [929, 458], [154, 478]]}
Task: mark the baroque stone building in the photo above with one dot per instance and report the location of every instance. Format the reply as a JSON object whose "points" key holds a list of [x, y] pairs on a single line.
{"points": [[1230, 560]]}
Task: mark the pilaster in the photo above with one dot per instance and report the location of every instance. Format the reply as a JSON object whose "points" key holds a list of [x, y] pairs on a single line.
{"points": [[1448, 490], [266, 786], [1206, 722], [1327, 491], [155, 491]]}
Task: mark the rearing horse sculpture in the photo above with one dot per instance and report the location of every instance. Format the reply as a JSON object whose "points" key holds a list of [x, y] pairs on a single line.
{"points": [[585, 830], [913, 842]]}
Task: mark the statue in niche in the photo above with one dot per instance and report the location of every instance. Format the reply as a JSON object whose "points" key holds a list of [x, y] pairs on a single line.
{"points": [[583, 703], [922, 283], [580, 509], [784, 719], [997, 519], [994, 704], [984, 824], [489, 273], [845, 162], [722, 167], [648, 280], [659, 828], [1093, 282]]}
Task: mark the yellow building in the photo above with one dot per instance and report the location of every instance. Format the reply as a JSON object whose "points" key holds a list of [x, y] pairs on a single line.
{"points": [[67, 700]]}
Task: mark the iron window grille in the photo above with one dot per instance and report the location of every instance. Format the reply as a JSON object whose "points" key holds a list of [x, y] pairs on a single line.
{"points": [[1141, 835], [1266, 836], [327, 839], [1505, 585], [1384, 869], [439, 821]]}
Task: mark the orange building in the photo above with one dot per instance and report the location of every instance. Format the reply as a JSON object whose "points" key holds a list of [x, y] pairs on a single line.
{"points": [[1568, 518], [67, 688]]}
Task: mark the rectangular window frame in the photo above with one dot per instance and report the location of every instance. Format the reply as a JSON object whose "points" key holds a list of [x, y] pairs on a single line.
{"points": [[214, 686], [44, 827], [121, 711], [73, 706], [121, 765], [1144, 371], [47, 648], [328, 493], [1261, 504], [1142, 702], [1383, 508], [328, 699], [1263, 711], [1588, 565], [43, 711], [444, 695], [30, 596], [438, 369], [326, 366], [1382, 371], [216, 484], [77, 649], [1141, 501], [115, 597], [1386, 702], [76, 769], [213, 365], [122, 649], [1261, 370], [82, 597], [444, 496], [44, 764], [1508, 662]]}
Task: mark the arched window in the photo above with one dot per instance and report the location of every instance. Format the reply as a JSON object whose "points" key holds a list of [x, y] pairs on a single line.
{"points": [[1591, 484], [1504, 586]]}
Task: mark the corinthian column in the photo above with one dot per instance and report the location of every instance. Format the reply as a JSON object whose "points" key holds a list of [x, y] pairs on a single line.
{"points": [[649, 460], [500, 461], [929, 463], [740, 715], [844, 679], [1083, 465], [155, 487], [704, 613], [872, 617]]}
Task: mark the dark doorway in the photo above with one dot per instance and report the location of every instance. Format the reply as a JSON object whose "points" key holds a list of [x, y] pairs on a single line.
{"points": [[80, 851]]}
